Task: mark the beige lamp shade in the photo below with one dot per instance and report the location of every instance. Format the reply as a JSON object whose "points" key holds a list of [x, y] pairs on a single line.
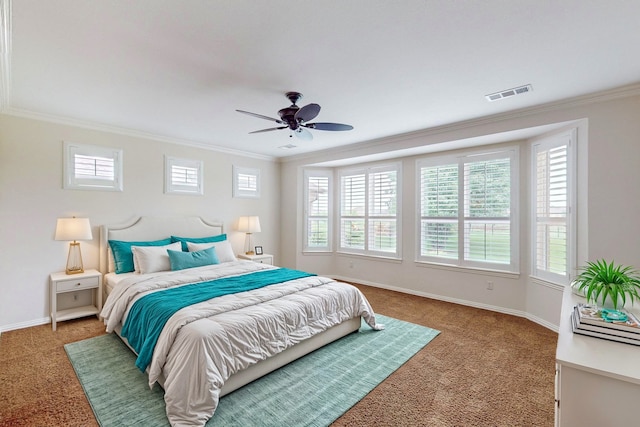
{"points": [[73, 229], [249, 225]]}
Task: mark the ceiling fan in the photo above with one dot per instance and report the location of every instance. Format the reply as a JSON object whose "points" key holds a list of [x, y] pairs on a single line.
{"points": [[296, 119]]}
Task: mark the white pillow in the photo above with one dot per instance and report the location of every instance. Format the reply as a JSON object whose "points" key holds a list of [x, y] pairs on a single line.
{"points": [[150, 259], [223, 249]]}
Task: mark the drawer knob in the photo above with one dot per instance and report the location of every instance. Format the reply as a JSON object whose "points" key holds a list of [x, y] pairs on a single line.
{"points": [[78, 284]]}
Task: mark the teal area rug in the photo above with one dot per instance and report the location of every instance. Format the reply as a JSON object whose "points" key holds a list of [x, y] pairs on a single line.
{"points": [[312, 391]]}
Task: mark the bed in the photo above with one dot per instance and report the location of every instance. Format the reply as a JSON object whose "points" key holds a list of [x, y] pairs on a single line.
{"points": [[247, 319]]}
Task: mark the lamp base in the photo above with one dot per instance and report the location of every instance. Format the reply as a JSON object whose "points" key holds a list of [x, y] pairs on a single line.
{"points": [[74, 260], [250, 253]]}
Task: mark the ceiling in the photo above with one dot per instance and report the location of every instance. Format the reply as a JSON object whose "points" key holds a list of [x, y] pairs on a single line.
{"points": [[178, 70]]}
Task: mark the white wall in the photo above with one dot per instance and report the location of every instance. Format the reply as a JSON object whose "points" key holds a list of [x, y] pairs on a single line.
{"points": [[32, 198], [608, 208]]}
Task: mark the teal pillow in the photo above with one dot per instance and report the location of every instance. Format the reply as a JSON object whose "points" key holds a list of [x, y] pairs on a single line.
{"points": [[180, 260], [123, 256], [210, 239]]}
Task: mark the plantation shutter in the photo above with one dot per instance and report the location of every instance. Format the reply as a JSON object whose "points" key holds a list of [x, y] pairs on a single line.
{"points": [[183, 176], [89, 167], [382, 211], [466, 210], [487, 207], [352, 211], [317, 212], [94, 167], [439, 211], [247, 182], [551, 209]]}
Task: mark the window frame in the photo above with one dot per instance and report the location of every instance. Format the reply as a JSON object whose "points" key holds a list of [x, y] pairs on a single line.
{"points": [[171, 187], [367, 217], [241, 192], [462, 159], [307, 175], [71, 181], [546, 143]]}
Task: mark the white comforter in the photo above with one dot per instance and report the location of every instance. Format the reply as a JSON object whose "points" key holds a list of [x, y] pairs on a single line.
{"points": [[202, 345]]}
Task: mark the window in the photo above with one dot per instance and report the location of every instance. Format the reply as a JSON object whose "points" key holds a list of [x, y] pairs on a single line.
{"points": [[467, 213], [183, 176], [369, 210], [317, 209], [246, 182], [551, 201], [88, 167]]}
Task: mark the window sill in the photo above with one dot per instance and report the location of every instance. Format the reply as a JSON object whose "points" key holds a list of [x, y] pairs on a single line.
{"points": [[474, 270], [321, 253], [371, 257], [543, 282]]}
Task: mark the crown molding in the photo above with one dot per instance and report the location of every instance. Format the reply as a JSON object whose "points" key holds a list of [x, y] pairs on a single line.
{"points": [[5, 54], [589, 99], [130, 132]]}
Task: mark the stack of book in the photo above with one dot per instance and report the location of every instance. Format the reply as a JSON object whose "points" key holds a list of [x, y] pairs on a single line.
{"points": [[615, 325]]}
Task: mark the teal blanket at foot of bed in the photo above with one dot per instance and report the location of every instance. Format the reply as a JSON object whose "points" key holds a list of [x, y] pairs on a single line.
{"points": [[150, 313]]}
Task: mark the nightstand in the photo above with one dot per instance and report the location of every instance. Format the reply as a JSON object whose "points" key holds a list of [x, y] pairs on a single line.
{"points": [[263, 259], [62, 283]]}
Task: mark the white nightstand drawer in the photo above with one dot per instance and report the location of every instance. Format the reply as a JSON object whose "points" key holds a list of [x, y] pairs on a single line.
{"points": [[77, 284], [262, 259]]}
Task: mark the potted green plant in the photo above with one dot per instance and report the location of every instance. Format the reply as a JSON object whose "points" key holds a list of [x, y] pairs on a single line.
{"points": [[609, 284]]}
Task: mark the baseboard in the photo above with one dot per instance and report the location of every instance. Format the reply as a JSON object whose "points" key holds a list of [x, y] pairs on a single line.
{"points": [[542, 322], [27, 324], [474, 304]]}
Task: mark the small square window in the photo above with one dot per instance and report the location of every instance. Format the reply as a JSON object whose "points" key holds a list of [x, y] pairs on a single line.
{"points": [[246, 182], [183, 176], [88, 167]]}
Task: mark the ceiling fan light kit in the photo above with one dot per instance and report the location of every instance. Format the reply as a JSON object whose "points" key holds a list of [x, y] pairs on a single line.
{"points": [[296, 119]]}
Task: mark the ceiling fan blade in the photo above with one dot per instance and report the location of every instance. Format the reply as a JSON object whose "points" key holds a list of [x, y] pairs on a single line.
{"points": [[260, 116], [303, 134], [328, 126], [269, 130], [308, 112]]}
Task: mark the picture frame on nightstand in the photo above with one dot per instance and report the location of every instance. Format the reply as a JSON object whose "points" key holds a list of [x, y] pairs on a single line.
{"points": [[258, 250]]}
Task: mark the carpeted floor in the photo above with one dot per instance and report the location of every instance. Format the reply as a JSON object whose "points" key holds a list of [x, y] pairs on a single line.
{"points": [[484, 369]]}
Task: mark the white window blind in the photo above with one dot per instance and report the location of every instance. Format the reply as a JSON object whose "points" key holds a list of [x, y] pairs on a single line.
{"points": [[183, 176], [439, 211], [88, 167], [369, 203], [551, 204], [465, 213], [317, 211], [487, 205], [352, 211], [246, 182], [382, 211], [94, 167]]}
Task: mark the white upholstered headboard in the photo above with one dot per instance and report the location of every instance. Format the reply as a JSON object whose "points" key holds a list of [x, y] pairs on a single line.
{"points": [[154, 228]]}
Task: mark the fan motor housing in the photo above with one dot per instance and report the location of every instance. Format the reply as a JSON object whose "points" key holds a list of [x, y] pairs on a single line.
{"points": [[288, 115]]}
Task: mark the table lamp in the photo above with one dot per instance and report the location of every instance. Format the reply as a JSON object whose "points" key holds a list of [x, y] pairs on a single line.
{"points": [[249, 225], [73, 229]]}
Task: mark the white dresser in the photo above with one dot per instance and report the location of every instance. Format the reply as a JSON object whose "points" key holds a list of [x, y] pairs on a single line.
{"points": [[597, 381]]}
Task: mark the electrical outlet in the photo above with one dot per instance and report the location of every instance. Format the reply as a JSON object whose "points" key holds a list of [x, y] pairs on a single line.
{"points": [[489, 285]]}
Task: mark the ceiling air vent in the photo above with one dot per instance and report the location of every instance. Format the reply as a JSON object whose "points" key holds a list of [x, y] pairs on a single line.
{"points": [[509, 92]]}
